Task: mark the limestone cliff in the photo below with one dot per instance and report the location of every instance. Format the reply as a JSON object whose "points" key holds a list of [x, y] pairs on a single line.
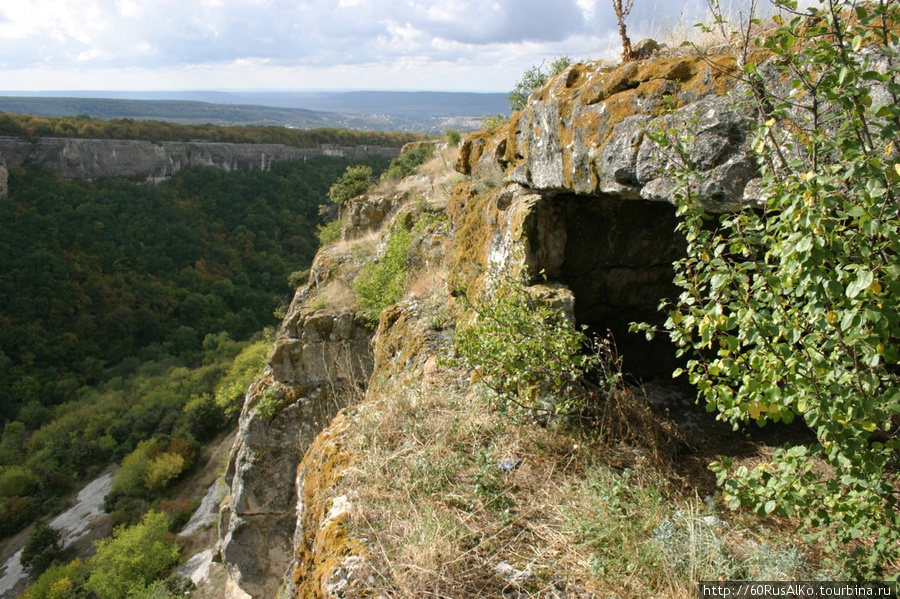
{"points": [[94, 158], [571, 186], [4, 178]]}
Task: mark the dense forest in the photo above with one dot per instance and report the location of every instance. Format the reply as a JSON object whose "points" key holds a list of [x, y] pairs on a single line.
{"points": [[126, 312], [33, 127]]}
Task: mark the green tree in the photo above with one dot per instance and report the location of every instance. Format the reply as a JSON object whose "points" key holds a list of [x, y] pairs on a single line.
{"points": [[60, 582], [534, 78], [133, 558], [163, 469], [42, 550], [355, 181], [792, 310]]}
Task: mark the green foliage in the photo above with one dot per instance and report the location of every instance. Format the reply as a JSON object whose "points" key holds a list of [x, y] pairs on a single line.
{"points": [[453, 137], [164, 404], [792, 310], [60, 582], [354, 182], [129, 478], [329, 232], [405, 164], [270, 403], [534, 78], [202, 418], [158, 589], [133, 558], [382, 282], [528, 351], [16, 481], [298, 278], [146, 471], [42, 550], [493, 121], [163, 469], [91, 278], [245, 369], [34, 127]]}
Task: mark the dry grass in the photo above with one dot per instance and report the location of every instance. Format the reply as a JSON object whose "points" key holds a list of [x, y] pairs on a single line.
{"points": [[574, 515]]}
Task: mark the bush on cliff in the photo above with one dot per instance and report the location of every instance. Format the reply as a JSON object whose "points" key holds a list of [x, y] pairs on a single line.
{"points": [[791, 311], [534, 78], [529, 352]]}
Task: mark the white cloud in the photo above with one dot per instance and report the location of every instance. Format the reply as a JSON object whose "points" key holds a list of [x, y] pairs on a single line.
{"points": [[425, 44]]}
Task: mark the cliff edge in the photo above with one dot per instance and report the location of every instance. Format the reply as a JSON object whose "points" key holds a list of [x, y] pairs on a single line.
{"points": [[419, 486]]}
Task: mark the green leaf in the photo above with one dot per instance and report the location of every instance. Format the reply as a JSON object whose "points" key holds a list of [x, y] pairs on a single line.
{"points": [[863, 279]]}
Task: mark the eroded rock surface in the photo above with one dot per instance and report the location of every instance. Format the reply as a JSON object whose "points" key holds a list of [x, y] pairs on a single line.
{"points": [[316, 358], [586, 133]]}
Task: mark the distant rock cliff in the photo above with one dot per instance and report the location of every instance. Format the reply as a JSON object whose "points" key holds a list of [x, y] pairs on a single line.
{"points": [[94, 158], [4, 178]]}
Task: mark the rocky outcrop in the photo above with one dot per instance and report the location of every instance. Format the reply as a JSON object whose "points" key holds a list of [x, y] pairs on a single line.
{"points": [[317, 358], [586, 133], [94, 158], [573, 189]]}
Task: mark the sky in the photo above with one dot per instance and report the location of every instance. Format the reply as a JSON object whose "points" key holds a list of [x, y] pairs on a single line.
{"points": [[439, 45]]}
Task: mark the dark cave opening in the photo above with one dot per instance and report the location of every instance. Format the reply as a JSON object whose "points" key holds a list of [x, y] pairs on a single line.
{"points": [[616, 257]]}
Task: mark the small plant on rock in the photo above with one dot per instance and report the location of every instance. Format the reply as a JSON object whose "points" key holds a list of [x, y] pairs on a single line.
{"points": [[530, 353]]}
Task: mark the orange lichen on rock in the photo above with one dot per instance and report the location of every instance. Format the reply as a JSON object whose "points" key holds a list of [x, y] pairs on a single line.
{"points": [[325, 542]]}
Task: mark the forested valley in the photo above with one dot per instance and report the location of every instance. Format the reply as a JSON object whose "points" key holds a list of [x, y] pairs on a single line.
{"points": [[132, 319]]}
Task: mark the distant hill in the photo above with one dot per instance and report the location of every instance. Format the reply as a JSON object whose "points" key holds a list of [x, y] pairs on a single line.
{"points": [[427, 112]]}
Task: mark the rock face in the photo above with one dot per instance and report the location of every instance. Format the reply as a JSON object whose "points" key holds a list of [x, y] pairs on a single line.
{"points": [[579, 189], [572, 188], [586, 133], [94, 158], [316, 358]]}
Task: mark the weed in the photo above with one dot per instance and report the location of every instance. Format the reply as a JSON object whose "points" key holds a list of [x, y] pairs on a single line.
{"points": [[270, 403]]}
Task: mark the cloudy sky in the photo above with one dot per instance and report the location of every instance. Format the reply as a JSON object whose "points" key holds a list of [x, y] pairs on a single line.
{"points": [[453, 45]]}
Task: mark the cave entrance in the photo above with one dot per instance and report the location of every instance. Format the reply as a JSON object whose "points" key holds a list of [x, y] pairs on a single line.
{"points": [[616, 257]]}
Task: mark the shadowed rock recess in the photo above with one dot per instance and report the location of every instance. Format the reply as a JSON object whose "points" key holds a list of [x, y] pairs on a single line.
{"points": [[571, 186]]}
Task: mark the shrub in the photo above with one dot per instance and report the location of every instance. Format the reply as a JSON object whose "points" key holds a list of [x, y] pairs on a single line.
{"points": [[534, 78], [134, 557], [382, 282], [453, 137], [792, 311], [329, 232], [529, 352], [42, 550], [491, 122], [355, 181], [270, 403], [298, 278], [405, 164]]}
